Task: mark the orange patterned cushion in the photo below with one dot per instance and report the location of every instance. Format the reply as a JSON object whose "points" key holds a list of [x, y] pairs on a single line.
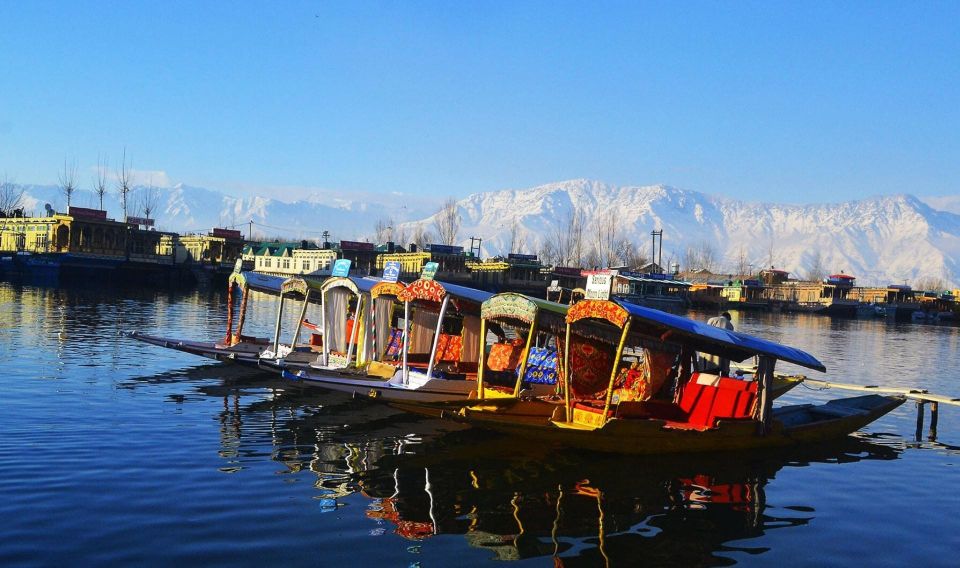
{"points": [[449, 348], [504, 356]]}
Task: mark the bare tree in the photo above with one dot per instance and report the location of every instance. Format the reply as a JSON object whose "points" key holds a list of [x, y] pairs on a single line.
{"points": [[743, 263], [383, 231], [68, 180], [421, 237], [593, 258], [930, 284], [100, 180], [124, 181], [547, 253], [815, 268], [399, 235], [701, 256], [11, 196], [575, 245], [517, 237], [149, 199], [447, 222], [610, 242]]}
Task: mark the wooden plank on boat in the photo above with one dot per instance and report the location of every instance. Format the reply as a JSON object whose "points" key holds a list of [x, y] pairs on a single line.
{"points": [[913, 394]]}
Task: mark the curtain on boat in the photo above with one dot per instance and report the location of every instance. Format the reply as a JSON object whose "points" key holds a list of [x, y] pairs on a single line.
{"points": [[383, 308], [424, 324], [336, 303], [471, 340]]}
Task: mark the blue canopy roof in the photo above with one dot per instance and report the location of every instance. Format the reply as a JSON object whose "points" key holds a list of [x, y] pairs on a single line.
{"points": [[259, 282], [472, 294], [731, 344]]}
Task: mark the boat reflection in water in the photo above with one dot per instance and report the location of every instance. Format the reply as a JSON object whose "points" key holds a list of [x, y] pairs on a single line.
{"points": [[591, 509], [422, 478]]}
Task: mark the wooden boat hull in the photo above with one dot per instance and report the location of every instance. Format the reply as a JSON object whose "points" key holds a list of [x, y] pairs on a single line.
{"points": [[242, 354], [532, 410], [791, 425], [429, 390]]}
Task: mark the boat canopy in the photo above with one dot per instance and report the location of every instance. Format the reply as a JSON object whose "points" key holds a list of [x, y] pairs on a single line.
{"points": [[701, 336], [300, 285], [384, 288], [256, 281], [356, 285], [510, 305], [434, 291]]}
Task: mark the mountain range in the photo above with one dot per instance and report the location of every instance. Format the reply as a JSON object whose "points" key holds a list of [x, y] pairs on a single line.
{"points": [[880, 240]]}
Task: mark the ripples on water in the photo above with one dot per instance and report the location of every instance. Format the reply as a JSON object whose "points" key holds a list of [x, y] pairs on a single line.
{"points": [[118, 452]]}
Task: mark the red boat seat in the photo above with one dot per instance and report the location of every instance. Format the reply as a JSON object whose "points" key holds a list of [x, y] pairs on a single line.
{"points": [[719, 398]]}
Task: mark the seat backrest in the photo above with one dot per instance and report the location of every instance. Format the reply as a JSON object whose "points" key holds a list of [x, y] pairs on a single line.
{"points": [[504, 357], [734, 399], [395, 343], [449, 348], [541, 366], [707, 399]]}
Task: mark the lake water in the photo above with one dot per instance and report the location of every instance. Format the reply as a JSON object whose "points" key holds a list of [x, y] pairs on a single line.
{"points": [[117, 452]]}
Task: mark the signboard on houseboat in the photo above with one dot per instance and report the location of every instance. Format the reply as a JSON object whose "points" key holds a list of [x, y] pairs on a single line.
{"points": [[391, 271], [226, 233], [341, 267], [429, 270], [598, 286], [445, 249], [145, 221], [85, 213], [356, 245]]}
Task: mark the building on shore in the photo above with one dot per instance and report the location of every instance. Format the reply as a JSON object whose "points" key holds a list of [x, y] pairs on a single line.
{"points": [[85, 242], [523, 273], [289, 258], [451, 261]]}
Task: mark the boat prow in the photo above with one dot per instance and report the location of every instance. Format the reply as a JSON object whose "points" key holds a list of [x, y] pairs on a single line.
{"points": [[242, 353]]}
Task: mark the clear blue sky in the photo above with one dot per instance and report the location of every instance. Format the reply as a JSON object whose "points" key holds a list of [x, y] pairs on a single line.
{"points": [[791, 102]]}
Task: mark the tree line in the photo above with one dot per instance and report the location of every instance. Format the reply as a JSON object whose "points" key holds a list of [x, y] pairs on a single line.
{"points": [[140, 201]]}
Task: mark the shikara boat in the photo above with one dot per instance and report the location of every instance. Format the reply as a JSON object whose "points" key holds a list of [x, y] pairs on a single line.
{"points": [[429, 354], [339, 340], [634, 388], [533, 390], [234, 347]]}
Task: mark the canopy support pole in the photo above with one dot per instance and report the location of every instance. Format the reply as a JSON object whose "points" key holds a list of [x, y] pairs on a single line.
{"points": [[765, 372], [276, 331], [228, 340], [526, 354], [406, 341], [355, 331], [613, 372], [325, 353], [566, 374], [303, 313], [436, 336], [243, 313], [483, 358]]}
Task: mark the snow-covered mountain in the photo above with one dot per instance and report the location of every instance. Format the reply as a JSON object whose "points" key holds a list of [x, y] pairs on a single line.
{"points": [[184, 209], [880, 240]]}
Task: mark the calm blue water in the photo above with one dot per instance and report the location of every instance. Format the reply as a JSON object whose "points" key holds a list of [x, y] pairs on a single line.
{"points": [[112, 452]]}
